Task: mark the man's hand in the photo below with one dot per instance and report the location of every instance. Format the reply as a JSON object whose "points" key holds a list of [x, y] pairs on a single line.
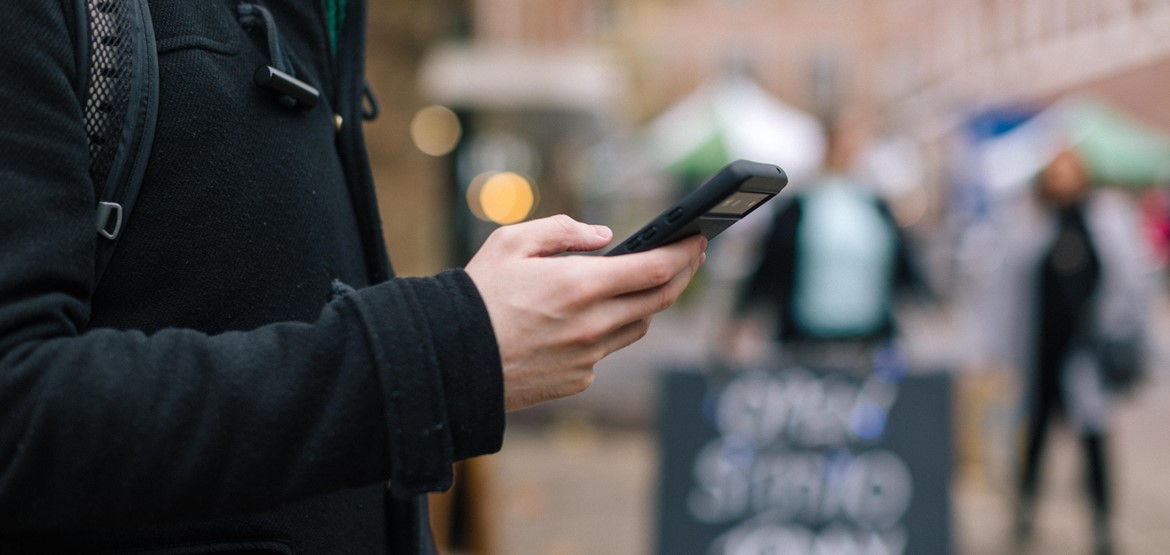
{"points": [[556, 317]]}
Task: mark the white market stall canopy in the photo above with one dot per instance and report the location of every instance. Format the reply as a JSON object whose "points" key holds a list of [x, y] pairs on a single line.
{"points": [[733, 117]]}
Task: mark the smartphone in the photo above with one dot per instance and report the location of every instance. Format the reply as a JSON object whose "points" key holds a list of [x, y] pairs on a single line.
{"points": [[729, 195]]}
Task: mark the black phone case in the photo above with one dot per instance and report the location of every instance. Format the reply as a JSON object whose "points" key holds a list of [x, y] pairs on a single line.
{"points": [[690, 216]]}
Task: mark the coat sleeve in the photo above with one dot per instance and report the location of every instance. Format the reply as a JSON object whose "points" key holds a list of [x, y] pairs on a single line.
{"points": [[97, 427], [1128, 289]]}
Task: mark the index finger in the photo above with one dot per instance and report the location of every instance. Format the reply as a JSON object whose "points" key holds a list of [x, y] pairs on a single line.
{"points": [[630, 273]]}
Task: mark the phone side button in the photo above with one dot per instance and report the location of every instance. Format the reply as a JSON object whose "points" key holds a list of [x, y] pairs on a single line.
{"points": [[633, 245], [649, 233], [674, 215]]}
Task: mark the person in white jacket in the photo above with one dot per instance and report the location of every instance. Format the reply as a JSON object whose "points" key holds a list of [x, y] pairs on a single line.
{"points": [[1070, 283]]}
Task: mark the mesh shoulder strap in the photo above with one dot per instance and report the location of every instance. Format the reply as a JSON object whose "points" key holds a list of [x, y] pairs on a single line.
{"points": [[121, 106]]}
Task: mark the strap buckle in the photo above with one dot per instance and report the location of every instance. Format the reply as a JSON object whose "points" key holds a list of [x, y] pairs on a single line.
{"points": [[104, 212]]}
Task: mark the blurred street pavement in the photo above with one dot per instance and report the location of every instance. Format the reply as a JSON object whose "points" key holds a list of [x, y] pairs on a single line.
{"points": [[578, 476], [570, 487]]}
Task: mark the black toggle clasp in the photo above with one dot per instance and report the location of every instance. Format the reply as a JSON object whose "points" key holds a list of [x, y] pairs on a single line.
{"points": [[293, 92]]}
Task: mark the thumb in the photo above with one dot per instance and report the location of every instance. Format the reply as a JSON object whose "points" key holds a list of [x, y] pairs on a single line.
{"points": [[558, 234]]}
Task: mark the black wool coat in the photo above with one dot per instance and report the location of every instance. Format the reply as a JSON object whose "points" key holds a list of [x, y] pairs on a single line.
{"points": [[216, 392]]}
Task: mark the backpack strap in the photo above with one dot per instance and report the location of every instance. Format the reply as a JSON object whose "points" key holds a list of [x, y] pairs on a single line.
{"points": [[120, 105]]}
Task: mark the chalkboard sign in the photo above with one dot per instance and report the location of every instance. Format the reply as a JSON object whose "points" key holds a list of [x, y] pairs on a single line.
{"points": [[802, 461]]}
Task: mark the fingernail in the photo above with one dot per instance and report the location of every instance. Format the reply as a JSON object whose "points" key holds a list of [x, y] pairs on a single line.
{"points": [[702, 257], [602, 231]]}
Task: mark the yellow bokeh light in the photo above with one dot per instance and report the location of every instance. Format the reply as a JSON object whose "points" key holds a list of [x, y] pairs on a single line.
{"points": [[436, 130], [504, 198]]}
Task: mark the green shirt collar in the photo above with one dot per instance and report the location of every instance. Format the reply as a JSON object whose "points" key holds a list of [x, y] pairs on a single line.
{"points": [[334, 19]]}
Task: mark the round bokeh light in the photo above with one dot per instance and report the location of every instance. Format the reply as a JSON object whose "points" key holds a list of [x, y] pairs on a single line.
{"points": [[507, 198], [436, 130]]}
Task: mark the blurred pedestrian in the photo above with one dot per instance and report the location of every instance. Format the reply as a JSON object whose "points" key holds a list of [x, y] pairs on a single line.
{"points": [[1073, 287], [831, 263]]}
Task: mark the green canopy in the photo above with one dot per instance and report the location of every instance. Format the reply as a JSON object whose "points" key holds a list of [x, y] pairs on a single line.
{"points": [[1118, 149]]}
